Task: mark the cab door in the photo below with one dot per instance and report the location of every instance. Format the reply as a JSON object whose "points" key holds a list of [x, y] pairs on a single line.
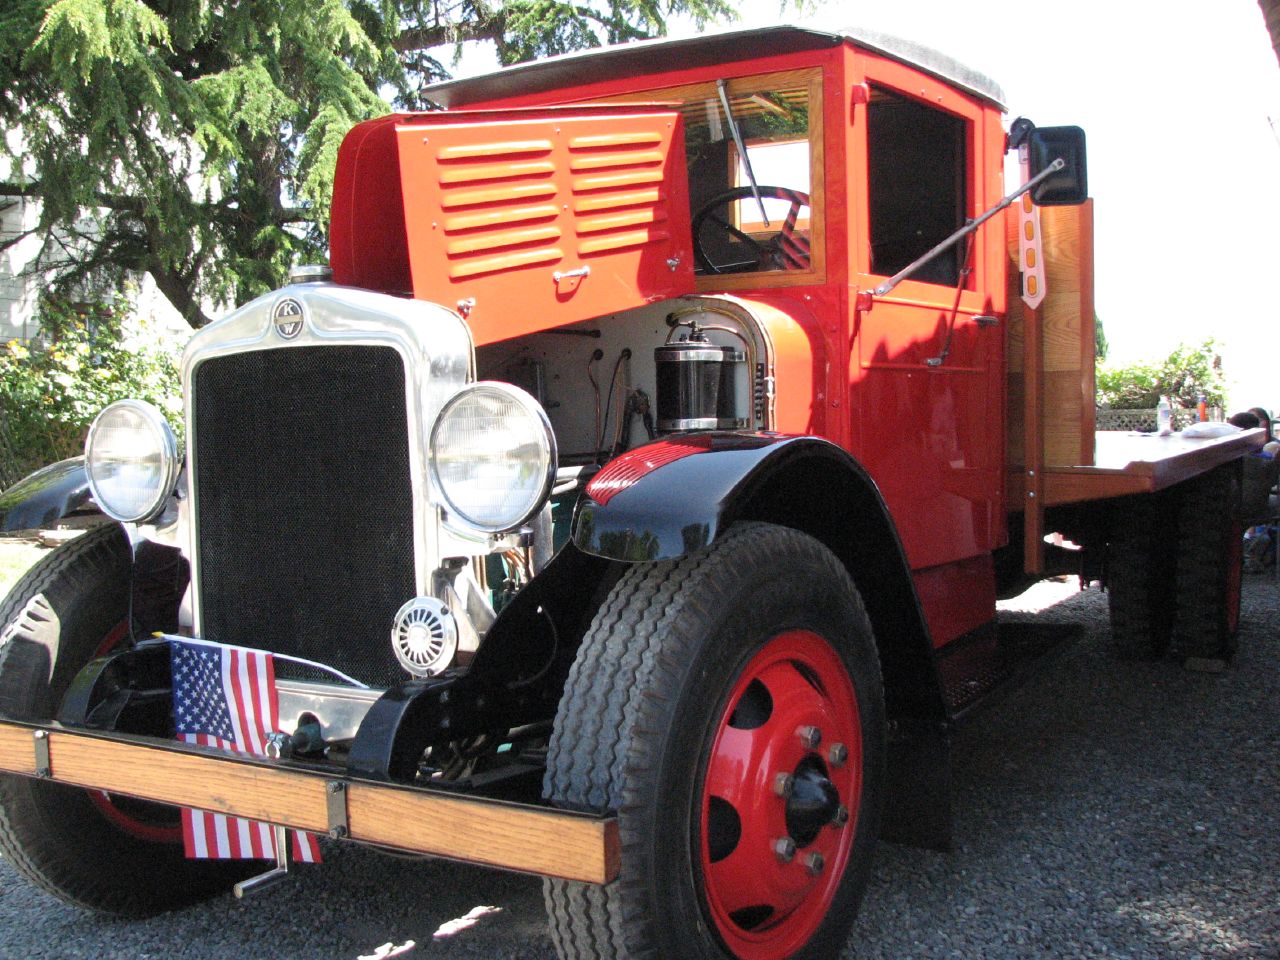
{"points": [[926, 363]]}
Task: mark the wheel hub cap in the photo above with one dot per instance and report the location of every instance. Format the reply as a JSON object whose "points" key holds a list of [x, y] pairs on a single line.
{"points": [[766, 905], [813, 802]]}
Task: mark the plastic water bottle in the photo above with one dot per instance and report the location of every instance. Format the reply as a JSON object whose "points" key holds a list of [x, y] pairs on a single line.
{"points": [[1164, 417]]}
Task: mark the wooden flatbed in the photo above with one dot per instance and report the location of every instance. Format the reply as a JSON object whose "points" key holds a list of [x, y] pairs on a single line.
{"points": [[1128, 462], [1054, 456]]}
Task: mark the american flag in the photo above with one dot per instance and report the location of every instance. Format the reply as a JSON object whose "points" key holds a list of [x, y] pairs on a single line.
{"points": [[225, 697]]}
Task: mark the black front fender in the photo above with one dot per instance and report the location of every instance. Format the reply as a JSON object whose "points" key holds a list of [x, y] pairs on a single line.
{"points": [[672, 497], [49, 494]]}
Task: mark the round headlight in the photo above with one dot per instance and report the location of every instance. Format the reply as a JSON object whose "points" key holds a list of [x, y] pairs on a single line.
{"points": [[132, 460], [493, 456]]}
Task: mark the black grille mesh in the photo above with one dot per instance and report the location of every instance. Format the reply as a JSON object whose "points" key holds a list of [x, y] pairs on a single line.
{"points": [[305, 507]]}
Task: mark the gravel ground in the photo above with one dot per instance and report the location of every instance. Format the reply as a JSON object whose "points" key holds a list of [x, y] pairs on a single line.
{"points": [[1103, 810]]}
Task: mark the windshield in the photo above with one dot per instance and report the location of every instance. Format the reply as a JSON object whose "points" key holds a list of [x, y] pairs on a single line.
{"points": [[775, 115]]}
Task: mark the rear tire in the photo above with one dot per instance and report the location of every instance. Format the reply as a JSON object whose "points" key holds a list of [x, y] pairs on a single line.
{"points": [[1209, 565], [684, 704], [78, 845], [1140, 569]]}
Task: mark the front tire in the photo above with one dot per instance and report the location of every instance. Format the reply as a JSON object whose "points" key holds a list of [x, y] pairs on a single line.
{"points": [[728, 706], [85, 847]]}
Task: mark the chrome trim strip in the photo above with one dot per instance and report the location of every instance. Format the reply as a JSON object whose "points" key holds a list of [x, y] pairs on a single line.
{"points": [[340, 710], [689, 423]]}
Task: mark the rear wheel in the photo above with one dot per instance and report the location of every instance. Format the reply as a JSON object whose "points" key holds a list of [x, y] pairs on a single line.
{"points": [[1140, 568], [1209, 565], [728, 706], [97, 851]]}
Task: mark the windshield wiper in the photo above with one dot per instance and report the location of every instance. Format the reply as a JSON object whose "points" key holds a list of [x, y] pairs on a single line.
{"points": [[742, 150]]}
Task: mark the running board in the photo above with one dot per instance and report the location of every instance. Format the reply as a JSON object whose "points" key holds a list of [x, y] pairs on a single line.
{"points": [[996, 659], [528, 839]]}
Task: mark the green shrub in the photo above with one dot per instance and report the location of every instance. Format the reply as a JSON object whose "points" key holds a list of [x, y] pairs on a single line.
{"points": [[1133, 387], [51, 389], [1188, 373]]}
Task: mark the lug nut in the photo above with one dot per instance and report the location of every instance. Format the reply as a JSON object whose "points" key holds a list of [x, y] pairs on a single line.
{"points": [[810, 736], [838, 754], [784, 849], [841, 816], [814, 863], [783, 784]]}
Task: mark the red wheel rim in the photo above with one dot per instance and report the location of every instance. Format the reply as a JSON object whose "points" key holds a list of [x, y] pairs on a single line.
{"points": [[766, 900], [128, 814]]}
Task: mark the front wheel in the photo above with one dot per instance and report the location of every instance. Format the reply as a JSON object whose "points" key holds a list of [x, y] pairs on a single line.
{"points": [[91, 849], [728, 706]]}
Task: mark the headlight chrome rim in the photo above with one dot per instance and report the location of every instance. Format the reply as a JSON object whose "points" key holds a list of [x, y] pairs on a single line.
{"points": [[545, 438], [166, 446]]}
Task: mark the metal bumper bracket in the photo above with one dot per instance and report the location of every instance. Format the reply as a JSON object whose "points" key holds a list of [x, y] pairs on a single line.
{"points": [[44, 767], [336, 801]]}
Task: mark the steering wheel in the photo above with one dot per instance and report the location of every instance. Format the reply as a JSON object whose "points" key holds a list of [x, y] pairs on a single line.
{"points": [[786, 250]]}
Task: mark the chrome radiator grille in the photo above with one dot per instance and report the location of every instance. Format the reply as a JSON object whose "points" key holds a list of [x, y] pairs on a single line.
{"points": [[303, 504]]}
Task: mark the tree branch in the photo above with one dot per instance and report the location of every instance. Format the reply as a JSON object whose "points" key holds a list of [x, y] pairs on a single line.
{"points": [[17, 239], [221, 211], [177, 291], [492, 27]]}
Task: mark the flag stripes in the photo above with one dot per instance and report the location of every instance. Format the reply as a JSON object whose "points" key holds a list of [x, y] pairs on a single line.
{"points": [[225, 697]]}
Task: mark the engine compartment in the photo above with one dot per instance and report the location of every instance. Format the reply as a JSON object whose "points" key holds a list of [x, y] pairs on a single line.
{"points": [[606, 391]]}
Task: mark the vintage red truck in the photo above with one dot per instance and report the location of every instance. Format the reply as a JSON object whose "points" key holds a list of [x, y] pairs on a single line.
{"points": [[650, 456]]}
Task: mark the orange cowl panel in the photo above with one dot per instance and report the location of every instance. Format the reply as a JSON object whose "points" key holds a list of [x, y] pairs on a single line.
{"points": [[529, 219]]}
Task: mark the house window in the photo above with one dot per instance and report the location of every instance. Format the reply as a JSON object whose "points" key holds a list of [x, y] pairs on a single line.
{"points": [[917, 183]]}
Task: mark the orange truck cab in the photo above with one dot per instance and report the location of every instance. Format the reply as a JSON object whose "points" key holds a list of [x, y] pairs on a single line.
{"points": [[627, 501]]}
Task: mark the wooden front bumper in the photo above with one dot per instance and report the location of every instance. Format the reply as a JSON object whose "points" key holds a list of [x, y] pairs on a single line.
{"points": [[494, 833]]}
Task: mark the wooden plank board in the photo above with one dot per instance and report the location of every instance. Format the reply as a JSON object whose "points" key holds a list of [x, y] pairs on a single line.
{"points": [[1130, 463], [1034, 437], [511, 836], [533, 841], [17, 752], [1065, 325], [218, 784]]}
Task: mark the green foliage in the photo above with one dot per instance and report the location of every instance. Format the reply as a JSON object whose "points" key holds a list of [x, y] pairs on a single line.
{"points": [[1192, 372], [1100, 345], [50, 391], [1188, 373], [197, 140], [1133, 387]]}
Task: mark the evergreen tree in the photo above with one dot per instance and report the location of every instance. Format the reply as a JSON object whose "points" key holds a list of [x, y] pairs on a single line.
{"points": [[196, 139]]}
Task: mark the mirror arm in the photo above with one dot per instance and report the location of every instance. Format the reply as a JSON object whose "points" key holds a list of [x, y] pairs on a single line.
{"points": [[967, 229], [742, 149]]}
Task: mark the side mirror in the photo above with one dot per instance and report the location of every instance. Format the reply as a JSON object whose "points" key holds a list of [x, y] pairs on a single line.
{"points": [[1070, 185]]}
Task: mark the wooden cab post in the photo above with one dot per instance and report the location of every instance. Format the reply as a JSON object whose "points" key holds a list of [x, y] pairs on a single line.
{"points": [[1051, 353]]}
